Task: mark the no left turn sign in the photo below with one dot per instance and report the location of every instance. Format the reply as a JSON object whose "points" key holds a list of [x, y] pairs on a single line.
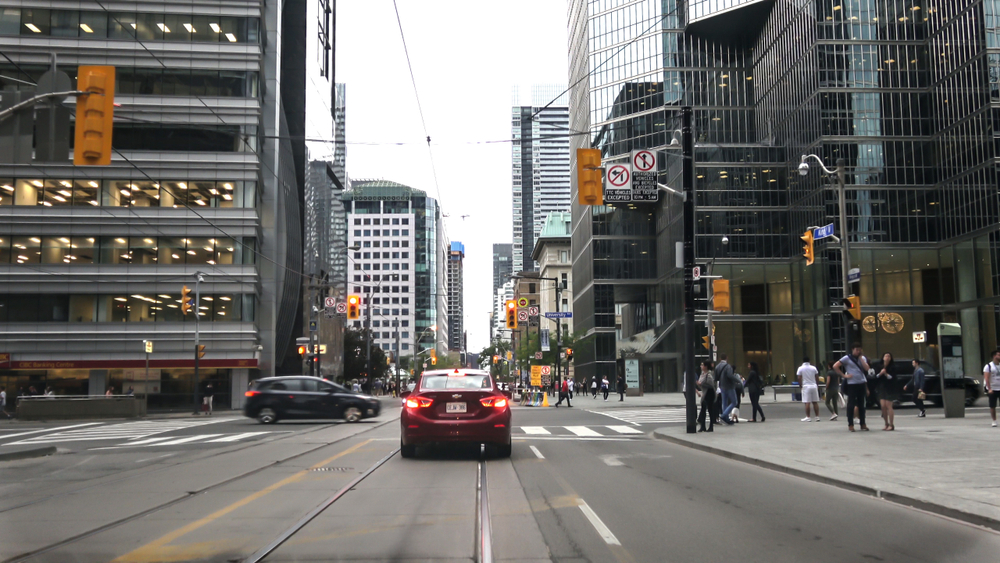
{"points": [[619, 176]]}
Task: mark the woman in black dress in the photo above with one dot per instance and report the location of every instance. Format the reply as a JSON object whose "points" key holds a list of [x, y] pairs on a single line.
{"points": [[755, 388], [888, 390]]}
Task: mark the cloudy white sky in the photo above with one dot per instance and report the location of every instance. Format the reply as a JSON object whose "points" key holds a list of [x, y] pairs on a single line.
{"points": [[466, 57]]}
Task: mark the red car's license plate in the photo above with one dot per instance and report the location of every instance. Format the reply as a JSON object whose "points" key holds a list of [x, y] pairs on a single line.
{"points": [[452, 408]]}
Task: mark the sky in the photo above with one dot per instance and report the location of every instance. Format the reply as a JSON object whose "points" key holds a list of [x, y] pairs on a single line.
{"points": [[466, 56]]}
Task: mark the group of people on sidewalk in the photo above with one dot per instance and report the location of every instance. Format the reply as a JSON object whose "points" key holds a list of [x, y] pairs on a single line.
{"points": [[596, 385], [721, 390]]}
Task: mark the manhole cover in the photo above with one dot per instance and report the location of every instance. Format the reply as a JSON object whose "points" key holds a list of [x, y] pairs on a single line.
{"points": [[332, 469]]}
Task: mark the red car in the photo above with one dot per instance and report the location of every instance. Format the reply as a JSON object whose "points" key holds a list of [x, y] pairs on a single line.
{"points": [[460, 405]]}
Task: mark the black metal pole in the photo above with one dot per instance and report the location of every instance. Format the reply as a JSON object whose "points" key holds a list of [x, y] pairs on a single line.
{"points": [[687, 177]]}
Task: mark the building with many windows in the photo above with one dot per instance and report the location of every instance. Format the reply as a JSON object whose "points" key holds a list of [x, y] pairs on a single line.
{"points": [[539, 165], [902, 91], [503, 268], [206, 177], [398, 260], [456, 295], [552, 254]]}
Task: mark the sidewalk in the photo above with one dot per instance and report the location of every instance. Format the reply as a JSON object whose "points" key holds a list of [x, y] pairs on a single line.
{"points": [[944, 466]]}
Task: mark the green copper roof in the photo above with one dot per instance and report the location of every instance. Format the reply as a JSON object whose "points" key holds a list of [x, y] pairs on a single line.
{"points": [[558, 224], [381, 190]]}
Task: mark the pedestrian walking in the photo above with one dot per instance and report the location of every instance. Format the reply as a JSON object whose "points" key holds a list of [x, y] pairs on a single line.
{"points": [[916, 385], [564, 394], [806, 375], [593, 386], [755, 388], [206, 401], [991, 378], [355, 386], [109, 392], [706, 390], [605, 387], [3, 402], [887, 390], [621, 385], [726, 379], [571, 385], [832, 390], [852, 368]]}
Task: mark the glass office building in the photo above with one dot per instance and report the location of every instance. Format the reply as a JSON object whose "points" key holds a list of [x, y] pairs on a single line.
{"points": [[906, 92]]}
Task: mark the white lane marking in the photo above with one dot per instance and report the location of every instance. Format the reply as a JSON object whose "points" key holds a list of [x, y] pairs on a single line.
{"points": [[187, 439], [49, 430], [127, 430], [625, 430], [236, 437], [155, 457], [147, 441], [538, 454], [612, 461], [603, 530], [577, 438], [535, 430], [581, 430]]}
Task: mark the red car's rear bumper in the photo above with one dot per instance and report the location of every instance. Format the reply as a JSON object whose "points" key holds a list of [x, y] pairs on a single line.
{"points": [[418, 429]]}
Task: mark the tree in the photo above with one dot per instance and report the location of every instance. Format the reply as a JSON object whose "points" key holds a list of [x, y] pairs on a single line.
{"points": [[355, 344]]}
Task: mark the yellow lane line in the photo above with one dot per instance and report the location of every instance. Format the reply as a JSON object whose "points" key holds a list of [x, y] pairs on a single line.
{"points": [[152, 551]]}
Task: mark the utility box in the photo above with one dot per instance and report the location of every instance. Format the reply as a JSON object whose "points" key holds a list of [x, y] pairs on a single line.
{"points": [[952, 369]]}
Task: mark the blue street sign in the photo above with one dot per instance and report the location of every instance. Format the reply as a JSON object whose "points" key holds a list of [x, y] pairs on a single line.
{"points": [[823, 232], [853, 275], [560, 315]]}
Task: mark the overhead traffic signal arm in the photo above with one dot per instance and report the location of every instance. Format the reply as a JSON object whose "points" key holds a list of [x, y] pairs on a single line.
{"points": [[589, 177]]}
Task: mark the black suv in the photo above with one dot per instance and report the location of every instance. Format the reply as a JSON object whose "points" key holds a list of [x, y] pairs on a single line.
{"points": [[932, 383], [273, 398]]}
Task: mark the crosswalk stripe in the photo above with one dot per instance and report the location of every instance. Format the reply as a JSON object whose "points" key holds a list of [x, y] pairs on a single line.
{"points": [[125, 430], [581, 430], [237, 437], [625, 430], [187, 439], [535, 430], [146, 441]]}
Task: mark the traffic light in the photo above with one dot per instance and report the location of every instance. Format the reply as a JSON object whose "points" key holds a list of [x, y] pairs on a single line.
{"points": [[94, 116], [569, 354], [353, 307], [589, 177], [720, 295], [185, 300], [511, 314], [852, 307], [496, 358], [199, 350], [706, 341], [303, 350], [807, 248], [434, 357]]}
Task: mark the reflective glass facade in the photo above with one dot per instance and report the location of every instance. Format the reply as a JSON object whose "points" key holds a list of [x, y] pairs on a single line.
{"points": [[906, 92]]}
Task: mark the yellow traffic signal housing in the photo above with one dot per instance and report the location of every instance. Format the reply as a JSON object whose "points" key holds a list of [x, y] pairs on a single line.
{"points": [[807, 248], [434, 361], [94, 116], [303, 350], [353, 307], [434, 354], [185, 300], [706, 341], [496, 358], [589, 177], [852, 306], [200, 350], [720, 295], [511, 308], [569, 354]]}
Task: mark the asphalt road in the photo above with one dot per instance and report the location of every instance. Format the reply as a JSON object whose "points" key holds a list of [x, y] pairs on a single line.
{"points": [[580, 486]]}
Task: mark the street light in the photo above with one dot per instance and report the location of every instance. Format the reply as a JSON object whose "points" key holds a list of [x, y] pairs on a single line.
{"points": [[845, 257]]}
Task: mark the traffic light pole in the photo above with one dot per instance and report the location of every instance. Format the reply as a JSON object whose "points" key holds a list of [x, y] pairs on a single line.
{"points": [[687, 178], [198, 278], [845, 265]]}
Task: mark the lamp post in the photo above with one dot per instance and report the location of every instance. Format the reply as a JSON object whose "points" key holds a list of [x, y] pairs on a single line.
{"points": [[845, 257]]}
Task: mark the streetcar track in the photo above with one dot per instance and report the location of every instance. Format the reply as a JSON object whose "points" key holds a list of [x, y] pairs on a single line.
{"points": [[133, 473], [187, 496]]}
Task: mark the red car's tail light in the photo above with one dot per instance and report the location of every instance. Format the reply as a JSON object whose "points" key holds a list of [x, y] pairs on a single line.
{"points": [[251, 393], [495, 402], [418, 402]]}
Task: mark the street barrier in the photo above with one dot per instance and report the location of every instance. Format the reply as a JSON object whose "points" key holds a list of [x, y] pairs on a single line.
{"points": [[71, 407]]}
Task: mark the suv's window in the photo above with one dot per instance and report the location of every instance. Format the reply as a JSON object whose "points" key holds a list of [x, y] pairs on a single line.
{"points": [[438, 382], [285, 385], [309, 384]]}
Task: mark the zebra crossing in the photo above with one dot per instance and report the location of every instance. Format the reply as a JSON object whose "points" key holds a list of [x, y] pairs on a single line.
{"points": [[577, 432], [659, 415], [185, 440], [132, 431]]}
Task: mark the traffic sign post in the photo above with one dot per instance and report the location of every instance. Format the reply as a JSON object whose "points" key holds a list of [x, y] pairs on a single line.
{"points": [[618, 183], [330, 302], [644, 176]]}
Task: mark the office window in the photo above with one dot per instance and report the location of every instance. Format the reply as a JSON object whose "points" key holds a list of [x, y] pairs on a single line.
{"points": [[375, 221], [357, 221], [406, 221], [357, 232], [367, 233]]}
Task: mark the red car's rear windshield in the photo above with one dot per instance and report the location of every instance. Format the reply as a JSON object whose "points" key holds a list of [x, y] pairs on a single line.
{"points": [[445, 382]]}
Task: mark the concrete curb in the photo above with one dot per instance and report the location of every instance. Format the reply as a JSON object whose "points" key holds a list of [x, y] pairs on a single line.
{"points": [[968, 517], [28, 454]]}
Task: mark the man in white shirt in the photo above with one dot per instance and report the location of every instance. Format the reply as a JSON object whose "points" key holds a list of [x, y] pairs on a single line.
{"points": [[991, 377], [3, 402], [810, 391], [571, 385]]}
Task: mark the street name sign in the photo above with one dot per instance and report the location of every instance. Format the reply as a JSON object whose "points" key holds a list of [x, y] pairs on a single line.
{"points": [[618, 183], [559, 315], [853, 275], [823, 232], [644, 176]]}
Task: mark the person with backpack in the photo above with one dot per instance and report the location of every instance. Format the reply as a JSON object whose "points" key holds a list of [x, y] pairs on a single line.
{"points": [[604, 387], [706, 390], [727, 379], [852, 369]]}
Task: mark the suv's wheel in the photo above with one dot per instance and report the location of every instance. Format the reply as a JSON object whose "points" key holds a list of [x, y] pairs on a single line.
{"points": [[407, 451], [352, 414], [267, 416]]}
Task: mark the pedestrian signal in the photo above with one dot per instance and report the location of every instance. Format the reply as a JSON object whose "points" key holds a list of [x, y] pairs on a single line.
{"points": [[589, 178], [185, 300], [511, 314], [720, 295], [852, 307], [353, 307], [807, 248], [94, 115]]}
